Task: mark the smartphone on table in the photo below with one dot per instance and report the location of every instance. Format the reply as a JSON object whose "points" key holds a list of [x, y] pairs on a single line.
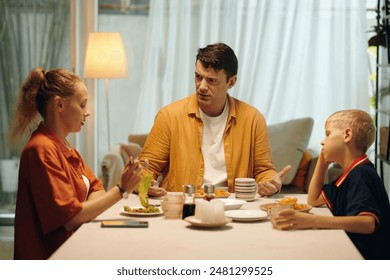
{"points": [[124, 223]]}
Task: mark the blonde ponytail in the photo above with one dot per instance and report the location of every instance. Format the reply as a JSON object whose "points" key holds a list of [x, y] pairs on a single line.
{"points": [[26, 114], [35, 93]]}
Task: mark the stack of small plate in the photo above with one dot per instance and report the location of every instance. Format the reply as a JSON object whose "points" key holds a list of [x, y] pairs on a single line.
{"points": [[245, 188]]}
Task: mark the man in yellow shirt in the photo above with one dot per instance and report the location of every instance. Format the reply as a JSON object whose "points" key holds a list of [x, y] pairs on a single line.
{"points": [[210, 137]]}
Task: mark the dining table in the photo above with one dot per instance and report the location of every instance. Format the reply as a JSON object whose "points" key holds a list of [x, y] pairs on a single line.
{"points": [[177, 239]]}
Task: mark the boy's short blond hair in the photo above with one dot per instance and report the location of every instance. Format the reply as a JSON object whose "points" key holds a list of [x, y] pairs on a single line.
{"points": [[360, 122]]}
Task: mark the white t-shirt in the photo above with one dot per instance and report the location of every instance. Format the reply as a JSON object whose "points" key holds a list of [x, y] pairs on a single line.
{"points": [[213, 149], [87, 184]]}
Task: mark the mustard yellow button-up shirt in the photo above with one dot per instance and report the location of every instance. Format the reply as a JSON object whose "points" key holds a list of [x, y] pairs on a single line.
{"points": [[174, 144]]}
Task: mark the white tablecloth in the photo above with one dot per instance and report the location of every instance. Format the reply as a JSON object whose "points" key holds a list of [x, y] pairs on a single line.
{"points": [[177, 239]]}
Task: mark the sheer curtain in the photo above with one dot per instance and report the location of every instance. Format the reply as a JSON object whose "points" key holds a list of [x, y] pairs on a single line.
{"points": [[297, 58], [32, 33]]}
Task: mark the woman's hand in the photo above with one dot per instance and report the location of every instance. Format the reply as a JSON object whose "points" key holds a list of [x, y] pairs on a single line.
{"points": [[154, 190], [131, 175]]}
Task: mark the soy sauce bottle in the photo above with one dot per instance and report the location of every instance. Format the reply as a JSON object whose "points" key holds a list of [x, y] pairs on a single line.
{"points": [[189, 201]]}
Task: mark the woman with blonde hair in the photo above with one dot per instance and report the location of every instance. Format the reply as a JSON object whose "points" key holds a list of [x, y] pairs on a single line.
{"points": [[57, 191]]}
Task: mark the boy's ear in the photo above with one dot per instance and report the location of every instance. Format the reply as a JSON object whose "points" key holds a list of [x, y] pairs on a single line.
{"points": [[348, 134]]}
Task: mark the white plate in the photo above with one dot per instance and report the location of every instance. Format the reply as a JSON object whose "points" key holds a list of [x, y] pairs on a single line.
{"points": [[198, 223], [142, 214], [231, 204], [245, 197], [244, 186], [244, 181], [245, 191], [246, 215]]}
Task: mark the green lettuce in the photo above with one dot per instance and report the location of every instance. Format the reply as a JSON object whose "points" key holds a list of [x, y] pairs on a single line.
{"points": [[143, 188]]}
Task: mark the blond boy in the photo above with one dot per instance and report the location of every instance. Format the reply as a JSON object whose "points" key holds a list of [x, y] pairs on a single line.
{"points": [[357, 199]]}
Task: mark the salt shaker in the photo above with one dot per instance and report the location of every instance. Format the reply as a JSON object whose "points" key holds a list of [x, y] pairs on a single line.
{"points": [[189, 201], [208, 192]]}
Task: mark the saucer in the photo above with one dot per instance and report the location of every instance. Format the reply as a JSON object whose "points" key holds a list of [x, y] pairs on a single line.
{"points": [[198, 223]]}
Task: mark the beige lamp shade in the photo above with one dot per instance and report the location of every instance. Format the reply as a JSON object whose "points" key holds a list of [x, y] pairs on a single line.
{"points": [[106, 57]]}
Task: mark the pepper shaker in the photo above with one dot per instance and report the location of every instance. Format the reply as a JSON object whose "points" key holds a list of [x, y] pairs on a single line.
{"points": [[209, 192]]}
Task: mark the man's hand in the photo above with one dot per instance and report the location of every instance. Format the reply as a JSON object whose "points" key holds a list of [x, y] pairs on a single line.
{"points": [[273, 186], [155, 190]]}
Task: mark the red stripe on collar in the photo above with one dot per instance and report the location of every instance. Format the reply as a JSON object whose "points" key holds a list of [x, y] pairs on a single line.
{"points": [[359, 160], [327, 201]]}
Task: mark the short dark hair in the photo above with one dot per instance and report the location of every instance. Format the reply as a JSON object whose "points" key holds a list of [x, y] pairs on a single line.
{"points": [[220, 57]]}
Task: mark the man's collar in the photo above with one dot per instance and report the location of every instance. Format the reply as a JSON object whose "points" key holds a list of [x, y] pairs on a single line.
{"points": [[193, 107]]}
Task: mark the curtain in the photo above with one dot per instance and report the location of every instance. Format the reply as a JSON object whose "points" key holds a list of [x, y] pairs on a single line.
{"points": [[32, 33], [297, 58]]}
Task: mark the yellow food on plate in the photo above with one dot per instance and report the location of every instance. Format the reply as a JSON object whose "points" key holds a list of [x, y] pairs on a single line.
{"points": [[293, 201], [199, 193], [217, 193], [149, 209], [221, 193], [289, 201]]}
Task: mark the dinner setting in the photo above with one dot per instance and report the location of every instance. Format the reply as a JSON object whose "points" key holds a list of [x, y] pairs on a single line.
{"points": [[230, 227], [209, 181], [164, 139]]}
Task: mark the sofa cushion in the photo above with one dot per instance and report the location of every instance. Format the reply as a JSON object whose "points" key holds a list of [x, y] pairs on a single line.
{"points": [[302, 171], [137, 138], [130, 150], [289, 141]]}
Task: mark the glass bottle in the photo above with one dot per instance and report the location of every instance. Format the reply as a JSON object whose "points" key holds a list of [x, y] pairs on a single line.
{"points": [[209, 192], [189, 201]]}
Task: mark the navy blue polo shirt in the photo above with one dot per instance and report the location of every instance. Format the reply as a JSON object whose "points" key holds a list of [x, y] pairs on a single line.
{"points": [[360, 191]]}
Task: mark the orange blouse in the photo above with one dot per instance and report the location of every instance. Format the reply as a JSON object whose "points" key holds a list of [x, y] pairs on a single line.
{"points": [[50, 193], [174, 145]]}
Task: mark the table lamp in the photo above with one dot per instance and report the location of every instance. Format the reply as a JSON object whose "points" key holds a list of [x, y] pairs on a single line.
{"points": [[105, 59]]}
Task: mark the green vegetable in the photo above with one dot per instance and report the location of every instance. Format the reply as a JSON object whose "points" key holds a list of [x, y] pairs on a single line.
{"points": [[152, 209], [149, 209], [143, 188]]}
